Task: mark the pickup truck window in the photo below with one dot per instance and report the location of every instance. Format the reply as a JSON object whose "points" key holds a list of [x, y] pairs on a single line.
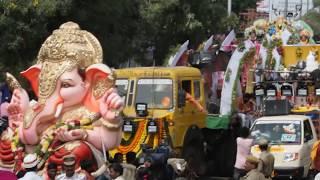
{"points": [[307, 130], [157, 93], [277, 132]]}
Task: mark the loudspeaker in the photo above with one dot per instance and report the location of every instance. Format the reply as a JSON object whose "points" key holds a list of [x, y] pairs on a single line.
{"points": [[276, 107], [201, 58]]}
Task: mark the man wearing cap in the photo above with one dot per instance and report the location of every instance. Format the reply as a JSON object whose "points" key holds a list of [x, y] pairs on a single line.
{"points": [[251, 165], [30, 163], [69, 166], [266, 163]]}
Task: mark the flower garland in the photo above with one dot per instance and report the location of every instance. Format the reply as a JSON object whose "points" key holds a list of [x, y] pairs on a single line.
{"points": [[137, 138], [48, 139], [241, 46], [270, 61], [245, 58]]}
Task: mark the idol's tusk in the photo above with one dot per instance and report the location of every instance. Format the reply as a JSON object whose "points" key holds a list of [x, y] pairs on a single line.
{"points": [[59, 110]]}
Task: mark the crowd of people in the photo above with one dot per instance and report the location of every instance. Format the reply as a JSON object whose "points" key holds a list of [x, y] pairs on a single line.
{"points": [[249, 167], [150, 166]]}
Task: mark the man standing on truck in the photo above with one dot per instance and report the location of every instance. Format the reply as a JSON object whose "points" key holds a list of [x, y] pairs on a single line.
{"points": [[266, 163]]}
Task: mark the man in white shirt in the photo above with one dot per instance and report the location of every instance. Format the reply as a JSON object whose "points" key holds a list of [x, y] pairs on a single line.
{"points": [[69, 163], [30, 163]]}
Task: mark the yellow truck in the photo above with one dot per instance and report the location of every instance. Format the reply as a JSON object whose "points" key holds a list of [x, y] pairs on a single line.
{"points": [[161, 103]]}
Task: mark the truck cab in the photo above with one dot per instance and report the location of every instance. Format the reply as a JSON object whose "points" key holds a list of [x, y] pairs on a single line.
{"points": [[158, 108], [291, 138]]}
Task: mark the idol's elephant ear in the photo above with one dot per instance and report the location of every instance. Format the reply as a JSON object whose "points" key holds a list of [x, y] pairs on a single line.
{"points": [[100, 78], [32, 75]]}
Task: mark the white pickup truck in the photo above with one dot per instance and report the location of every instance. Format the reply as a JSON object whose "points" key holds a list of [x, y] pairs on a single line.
{"points": [[291, 139]]}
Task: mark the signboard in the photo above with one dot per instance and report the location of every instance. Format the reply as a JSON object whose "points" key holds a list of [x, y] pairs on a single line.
{"points": [[290, 57]]}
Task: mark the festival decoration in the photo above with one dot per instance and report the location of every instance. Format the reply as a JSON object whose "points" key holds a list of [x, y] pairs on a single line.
{"points": [[269, 40], [77, 111]]}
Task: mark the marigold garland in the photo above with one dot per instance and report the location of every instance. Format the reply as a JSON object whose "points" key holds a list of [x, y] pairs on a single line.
{"points": [[44, 149], [137, 138]]}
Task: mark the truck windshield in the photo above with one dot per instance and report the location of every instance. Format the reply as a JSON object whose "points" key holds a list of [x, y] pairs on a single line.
{"points": [[277, 132], [157, 93]]}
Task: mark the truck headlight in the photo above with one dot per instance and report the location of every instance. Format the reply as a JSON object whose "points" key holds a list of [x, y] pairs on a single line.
{"points": [[290, 157]]}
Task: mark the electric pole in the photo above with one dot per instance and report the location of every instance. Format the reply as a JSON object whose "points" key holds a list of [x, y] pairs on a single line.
{"points": [[229, 7]]}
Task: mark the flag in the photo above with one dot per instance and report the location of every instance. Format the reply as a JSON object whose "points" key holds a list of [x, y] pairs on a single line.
{"points": [[177, 56], [208, 43], [170, 60], [226, 44]]}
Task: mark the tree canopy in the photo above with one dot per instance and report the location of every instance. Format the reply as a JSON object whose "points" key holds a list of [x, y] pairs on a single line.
{"points": [[127, 29]]}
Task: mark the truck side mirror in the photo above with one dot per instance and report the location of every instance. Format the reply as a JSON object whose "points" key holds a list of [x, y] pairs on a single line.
{"points": [[181, 98]]}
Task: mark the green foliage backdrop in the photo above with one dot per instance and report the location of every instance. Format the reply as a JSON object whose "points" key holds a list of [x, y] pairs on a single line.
{"points": [[125, 28]]}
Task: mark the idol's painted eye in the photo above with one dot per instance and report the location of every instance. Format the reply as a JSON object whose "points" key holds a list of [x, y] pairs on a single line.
{"points": [[65, 85]]}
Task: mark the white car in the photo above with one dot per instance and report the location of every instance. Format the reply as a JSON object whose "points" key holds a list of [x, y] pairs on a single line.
{"points": [[291, 138]]}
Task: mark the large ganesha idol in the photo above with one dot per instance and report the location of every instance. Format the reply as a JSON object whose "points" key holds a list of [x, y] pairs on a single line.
{"points": [[78, 108]]}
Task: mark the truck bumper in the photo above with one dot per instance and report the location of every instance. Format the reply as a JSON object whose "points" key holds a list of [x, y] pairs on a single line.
{"points": [[296, 172]]}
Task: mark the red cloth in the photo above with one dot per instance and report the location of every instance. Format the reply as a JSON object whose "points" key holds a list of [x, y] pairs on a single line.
{"points": [[7, 175]]}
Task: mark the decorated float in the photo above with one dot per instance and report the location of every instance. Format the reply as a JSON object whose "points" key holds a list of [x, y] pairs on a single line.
{"points": [[271, 50], [77, 110]]}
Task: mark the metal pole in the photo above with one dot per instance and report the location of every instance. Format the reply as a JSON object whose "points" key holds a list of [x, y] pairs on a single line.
{"points": [[301, 9], [229, 7], [270, 10], [286, 9]]}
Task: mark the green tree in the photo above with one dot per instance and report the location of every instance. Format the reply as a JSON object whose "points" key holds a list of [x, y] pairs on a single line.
{"points": [[171, 22], [127, 29], [23, 27], [239, 6], [312, 18]]}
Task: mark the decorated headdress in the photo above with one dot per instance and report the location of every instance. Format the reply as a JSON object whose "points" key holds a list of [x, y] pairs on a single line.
{"points": [[67, 48]]}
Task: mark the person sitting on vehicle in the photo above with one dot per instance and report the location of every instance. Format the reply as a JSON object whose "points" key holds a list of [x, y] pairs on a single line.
{"points": [[266, 164], [251, 166], [304, 37], [191, 99]]}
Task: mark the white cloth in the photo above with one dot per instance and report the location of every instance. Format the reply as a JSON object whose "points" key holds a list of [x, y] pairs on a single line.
{"points": [[129, 171], [119, 178], [227, 89], [31, 176], [76, 176], [225, 45], [317, 177]]}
